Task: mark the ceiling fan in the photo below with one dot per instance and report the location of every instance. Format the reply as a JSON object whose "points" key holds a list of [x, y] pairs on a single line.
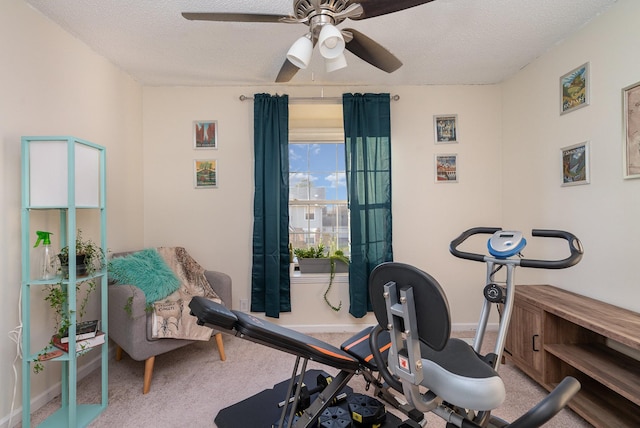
{"points": [[322, 17]]}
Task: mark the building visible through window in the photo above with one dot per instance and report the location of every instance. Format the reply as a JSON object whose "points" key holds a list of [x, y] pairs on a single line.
{"points": [[318, 211]]}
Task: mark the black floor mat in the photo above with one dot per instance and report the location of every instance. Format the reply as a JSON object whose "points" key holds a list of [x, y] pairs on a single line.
{"points": [[262, 411]]}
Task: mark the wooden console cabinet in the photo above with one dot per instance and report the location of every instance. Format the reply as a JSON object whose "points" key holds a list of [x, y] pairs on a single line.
{"points": [[555, 333]]}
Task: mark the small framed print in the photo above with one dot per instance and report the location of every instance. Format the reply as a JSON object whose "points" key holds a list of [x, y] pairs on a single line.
{"points": [[205, 173], [445, 128], [574, 89], [631, 131], [446, 167], [205, 134], [575, 164]]}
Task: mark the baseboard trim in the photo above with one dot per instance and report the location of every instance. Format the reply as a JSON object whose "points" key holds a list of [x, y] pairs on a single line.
{"points": [[354, 328]]}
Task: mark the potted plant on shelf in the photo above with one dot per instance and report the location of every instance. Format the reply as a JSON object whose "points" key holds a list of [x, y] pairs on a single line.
{"points": [[56, 296], [89, 257]]}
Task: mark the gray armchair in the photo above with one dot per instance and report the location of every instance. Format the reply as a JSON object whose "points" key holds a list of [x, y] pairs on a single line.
{"points": [[131, 329]]}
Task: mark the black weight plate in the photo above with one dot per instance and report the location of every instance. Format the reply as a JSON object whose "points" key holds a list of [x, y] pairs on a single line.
{"points": [[366, 411], [335, 417]]}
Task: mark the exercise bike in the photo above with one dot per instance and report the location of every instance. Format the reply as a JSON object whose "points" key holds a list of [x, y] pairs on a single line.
{"points": [[410, 350], [462, 386]]}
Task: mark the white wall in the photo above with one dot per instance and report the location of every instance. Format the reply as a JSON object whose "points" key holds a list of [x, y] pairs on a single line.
{"points": [[215, 225], [604, 213], [52, 84]]}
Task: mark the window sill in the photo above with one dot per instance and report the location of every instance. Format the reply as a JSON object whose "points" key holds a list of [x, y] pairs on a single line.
{"points": [[315, 278]]}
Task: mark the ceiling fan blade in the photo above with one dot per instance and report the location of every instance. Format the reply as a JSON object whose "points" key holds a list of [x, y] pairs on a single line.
{"points": [[287, 71], [235, 17], [373, 8], [372, 52]]}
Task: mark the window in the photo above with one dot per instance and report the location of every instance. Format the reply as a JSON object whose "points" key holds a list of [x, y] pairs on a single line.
{"points": [[318, 211]]}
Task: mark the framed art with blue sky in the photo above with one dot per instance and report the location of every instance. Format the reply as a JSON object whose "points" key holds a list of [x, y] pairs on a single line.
{"points": [[575, 164], [205, 173], [446, 168], [205, 134], [445, 128], [574, 89]]}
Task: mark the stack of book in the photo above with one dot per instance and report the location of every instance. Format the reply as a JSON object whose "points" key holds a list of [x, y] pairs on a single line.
{"points": [[88, 336]]}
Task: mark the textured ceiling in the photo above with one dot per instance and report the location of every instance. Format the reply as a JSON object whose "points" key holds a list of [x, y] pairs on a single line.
{"points": [[442, 42]]}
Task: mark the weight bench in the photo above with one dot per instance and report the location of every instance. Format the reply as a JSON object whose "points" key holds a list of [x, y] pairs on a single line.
{"points": [[414, 344], [304, 347]]}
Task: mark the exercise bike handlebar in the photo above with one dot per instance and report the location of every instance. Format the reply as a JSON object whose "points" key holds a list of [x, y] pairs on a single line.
{"points": [[453, 247], [575, 248]]}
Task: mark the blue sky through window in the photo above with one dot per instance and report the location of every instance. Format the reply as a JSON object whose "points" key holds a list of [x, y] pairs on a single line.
{"points": [[317, 171]]}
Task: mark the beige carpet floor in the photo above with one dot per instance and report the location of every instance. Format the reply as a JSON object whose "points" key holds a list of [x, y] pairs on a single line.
{"points": [[191, 385]]}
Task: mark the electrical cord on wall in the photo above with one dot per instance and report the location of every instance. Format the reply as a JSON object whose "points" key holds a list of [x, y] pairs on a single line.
{"points": [[16, 336]]}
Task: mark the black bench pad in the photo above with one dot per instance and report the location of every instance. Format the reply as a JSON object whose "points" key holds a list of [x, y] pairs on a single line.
{"points": [[272, 335], [358, 346], [209, 312]]}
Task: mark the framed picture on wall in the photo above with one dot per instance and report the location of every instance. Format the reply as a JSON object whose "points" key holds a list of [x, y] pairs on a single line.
{"points": [[631, 130], [574, 89], [446, 168], [445, 128], [205, 134], [205, 173], [575, 164]]}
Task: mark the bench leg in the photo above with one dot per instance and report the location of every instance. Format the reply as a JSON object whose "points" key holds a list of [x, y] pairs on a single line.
{"points": [[220, 345], [148, 371]]}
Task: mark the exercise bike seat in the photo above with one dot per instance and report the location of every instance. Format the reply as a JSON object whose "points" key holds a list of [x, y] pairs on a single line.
{"points": [[456, 373], [451, 369], [460, 377]]}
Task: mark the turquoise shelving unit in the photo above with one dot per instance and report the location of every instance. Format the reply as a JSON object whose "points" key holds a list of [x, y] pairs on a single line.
{"points": [[62, 175]]}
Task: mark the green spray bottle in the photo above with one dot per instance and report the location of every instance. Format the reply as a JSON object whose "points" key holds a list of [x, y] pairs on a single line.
{"points": [[45, 257]]}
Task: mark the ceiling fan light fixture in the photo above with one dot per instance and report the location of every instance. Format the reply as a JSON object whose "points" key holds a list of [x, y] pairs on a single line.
{"points": [[331, 42], [336, 63], [300, 52]]}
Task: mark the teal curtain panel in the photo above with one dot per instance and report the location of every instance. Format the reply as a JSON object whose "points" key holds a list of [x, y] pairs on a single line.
{"points": [[270, 282], [367, 128]]}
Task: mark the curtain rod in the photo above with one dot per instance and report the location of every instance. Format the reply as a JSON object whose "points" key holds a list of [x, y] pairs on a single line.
{"points": [[328, 100]]}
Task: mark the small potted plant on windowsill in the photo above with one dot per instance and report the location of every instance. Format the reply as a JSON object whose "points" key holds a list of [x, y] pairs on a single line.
{"points": [[314, 260]]}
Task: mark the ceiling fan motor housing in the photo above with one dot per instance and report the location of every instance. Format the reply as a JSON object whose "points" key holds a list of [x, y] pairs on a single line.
{"points": [[306, 9]]}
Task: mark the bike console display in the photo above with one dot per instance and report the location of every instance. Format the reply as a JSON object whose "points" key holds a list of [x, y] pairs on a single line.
{"points": [[504, 244]]}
